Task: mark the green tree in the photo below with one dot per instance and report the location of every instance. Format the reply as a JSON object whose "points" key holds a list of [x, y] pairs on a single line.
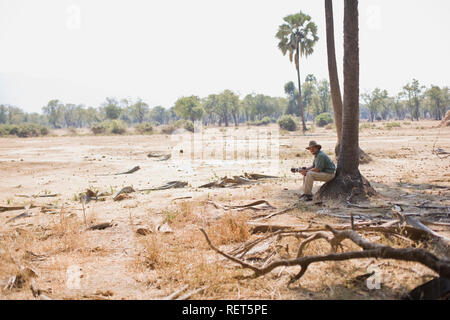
{"points": [[139, 110], [374, 102], [309, 90], [412, 91], [227, 103], [297, 36], [210, 105], [292, 94], [3, 114], [189, 108], [248, 106], [53, 111], [435, 95], [323, 90], [111, 108], [159, 115]]}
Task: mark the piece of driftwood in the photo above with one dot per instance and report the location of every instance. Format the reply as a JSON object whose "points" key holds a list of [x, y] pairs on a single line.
{"points": [[226, 182], [133, 170], [168, 185], [101, 226], [255, 205], [265, 217], [370, 250], [143, 231], [182, 198], [20, 216], [4, 209], [256, 176], [165, 157], [122, 191], [153, 154], [37, 195], [420, 226]]}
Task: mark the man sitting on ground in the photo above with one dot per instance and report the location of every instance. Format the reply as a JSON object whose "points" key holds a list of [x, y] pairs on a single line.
{"points": [[323, 169]]}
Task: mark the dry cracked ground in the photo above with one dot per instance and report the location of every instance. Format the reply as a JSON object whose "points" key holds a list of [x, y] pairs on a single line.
{"points": [[152, 245]]}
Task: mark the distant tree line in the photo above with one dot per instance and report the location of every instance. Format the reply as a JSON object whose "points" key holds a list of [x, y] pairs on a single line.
{"points": [[228, 108], [413, 102]]}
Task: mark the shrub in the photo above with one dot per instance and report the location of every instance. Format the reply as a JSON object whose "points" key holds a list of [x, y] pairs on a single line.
{"points": [[24, 130], [189, 126], [287, 123], [144, 128], [117, 127], [263, 122], [99, 128], [44, 131], [323, 119], [28, 130], [13, 130], [391, 125], [169, 129], [179, 123], [3, 131]]}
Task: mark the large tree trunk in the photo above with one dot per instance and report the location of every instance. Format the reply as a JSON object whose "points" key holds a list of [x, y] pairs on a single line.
{"points": [[332, 70], [349, 182], [334, 82], [300, 99]]}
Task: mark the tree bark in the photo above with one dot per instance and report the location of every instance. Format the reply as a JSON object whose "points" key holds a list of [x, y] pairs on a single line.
{"points": [[300, 99], [349, 151], [349, 182], [333, 73]]}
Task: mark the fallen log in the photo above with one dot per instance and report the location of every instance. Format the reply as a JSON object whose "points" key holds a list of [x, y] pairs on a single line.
{"points": [[168, 185], [4, 209]]}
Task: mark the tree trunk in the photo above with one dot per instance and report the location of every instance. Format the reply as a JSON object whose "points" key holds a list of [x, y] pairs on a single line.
{"points": [[300, 99], [333, 73], [349, 182], [334, 81], [235, 120]]}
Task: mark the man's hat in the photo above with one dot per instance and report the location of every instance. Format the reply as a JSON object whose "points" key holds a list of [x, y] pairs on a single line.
{"points": [[313, 144]]}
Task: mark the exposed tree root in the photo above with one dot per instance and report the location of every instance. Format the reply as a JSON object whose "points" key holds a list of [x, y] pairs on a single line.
{"points": [[344, 188]]}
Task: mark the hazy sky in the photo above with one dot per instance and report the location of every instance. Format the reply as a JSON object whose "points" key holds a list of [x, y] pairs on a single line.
{"points": [[83, 51]]}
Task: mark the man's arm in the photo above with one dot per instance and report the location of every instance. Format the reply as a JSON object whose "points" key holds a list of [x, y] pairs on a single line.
{"points": [[304, 172]]}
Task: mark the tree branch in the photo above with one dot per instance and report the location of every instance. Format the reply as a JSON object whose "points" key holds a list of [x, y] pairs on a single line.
{"points": [[370, 250]]}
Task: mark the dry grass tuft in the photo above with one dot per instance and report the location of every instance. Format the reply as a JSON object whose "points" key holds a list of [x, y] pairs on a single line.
{"points": [[231, 228]]}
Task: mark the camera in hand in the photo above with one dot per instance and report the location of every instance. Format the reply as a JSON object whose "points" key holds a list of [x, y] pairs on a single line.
{"points": [[297, 170]]}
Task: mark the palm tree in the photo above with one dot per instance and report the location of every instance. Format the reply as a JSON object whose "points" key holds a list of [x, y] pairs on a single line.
{"points": [[297, 35], [334, 81], [349, 182], [332, 70]]}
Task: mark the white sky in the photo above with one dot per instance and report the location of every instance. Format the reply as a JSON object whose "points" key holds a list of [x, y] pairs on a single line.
{"points": [[161, 50]]}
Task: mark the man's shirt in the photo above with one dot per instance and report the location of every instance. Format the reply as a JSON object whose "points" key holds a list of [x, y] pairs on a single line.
{"points": [[323, 163]]}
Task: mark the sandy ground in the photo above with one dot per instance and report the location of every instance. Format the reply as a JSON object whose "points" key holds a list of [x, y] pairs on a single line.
{"points": [[117, 263]]}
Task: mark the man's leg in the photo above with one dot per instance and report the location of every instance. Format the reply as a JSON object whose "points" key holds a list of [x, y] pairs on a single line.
{"points": [[308, 180]]}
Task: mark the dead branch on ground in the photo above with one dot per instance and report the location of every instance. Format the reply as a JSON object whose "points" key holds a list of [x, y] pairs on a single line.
{"points": [[370, 250]]}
